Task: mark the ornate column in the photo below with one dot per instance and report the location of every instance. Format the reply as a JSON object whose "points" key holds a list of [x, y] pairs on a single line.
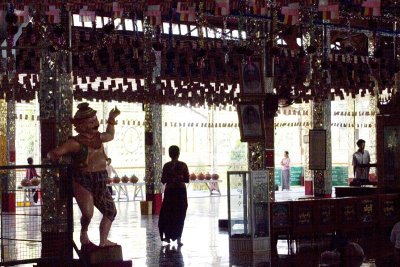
{"points": [[153, 157], [321, 119], [306, 118], [321, 108], [3, 144], [3, 133], [55, 99], [152, 125], [269, 101], [9, 186]]}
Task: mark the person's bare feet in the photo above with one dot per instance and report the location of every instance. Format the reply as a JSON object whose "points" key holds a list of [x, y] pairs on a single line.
{"points": [[107, 243]]}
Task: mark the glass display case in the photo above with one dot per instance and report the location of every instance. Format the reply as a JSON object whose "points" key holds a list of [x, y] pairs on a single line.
{"points": [[248, 215]]}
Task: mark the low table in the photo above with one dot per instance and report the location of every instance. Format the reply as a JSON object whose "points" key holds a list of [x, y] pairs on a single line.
{"points": [[212, 185], [122, 190], [28, 194]]}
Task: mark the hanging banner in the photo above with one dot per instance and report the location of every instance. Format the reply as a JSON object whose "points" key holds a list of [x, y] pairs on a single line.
{"points": [[221, 7], [258, 7], [154, 14], [291, 13], [329, 12], [23, 15], [86, 16], [186, 11], [53, 15], [372, 8], [117, 10]]}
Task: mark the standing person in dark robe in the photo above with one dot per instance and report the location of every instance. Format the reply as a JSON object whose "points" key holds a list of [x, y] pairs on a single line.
{"points": [[173, 210]]}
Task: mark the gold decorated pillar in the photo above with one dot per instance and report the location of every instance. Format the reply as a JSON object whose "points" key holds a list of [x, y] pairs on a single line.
{"points": [[3, 144], [153, 156], [321, 119], [55, 100], [321, 110], [11, 153], [9, 186], [152, 123]]}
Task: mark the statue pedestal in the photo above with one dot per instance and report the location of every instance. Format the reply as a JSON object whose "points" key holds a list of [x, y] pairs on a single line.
{"points": [[107, 256]]}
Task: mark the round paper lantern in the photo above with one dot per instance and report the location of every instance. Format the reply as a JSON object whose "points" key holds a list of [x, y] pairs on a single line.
{"points": [[35, 181], [25, 182], [192, 176], [134, 179], [116, 179], [201, 176], [215, 176], [208, 176], [125, 179]]}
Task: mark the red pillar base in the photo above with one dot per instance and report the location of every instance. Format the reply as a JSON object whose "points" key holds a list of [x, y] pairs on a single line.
{"points": [[8, 202], [157, 201], [308, 186]]}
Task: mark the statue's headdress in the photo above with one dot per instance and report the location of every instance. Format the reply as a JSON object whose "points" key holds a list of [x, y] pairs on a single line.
{"points": [[84, 112]]}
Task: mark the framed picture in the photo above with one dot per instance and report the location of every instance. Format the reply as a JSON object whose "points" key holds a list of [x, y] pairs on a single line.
{"points": [[251, 78], [317, 146], [250, 121]]}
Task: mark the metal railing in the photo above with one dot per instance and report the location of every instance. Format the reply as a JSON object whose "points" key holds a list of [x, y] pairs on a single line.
{"points": [[37, 220]]}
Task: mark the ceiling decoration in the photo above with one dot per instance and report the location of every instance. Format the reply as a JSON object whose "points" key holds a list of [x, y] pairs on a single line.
{"points": [[313, 49]]}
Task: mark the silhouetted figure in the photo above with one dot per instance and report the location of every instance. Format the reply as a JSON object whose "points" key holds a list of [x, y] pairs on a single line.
{"points": [[361, 161], [173, 210]]}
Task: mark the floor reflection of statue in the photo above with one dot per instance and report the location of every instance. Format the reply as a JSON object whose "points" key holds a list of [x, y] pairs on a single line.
{"points": [[89, 174]]}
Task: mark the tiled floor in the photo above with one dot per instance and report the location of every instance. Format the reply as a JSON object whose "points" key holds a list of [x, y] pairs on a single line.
{"points": [[204, 243]]}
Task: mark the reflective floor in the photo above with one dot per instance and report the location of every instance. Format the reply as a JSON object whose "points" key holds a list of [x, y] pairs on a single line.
{"points": [[204, 243], [207, 245]]}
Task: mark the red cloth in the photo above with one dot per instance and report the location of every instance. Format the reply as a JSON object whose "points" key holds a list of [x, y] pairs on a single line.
{"points": [[31, 173]]}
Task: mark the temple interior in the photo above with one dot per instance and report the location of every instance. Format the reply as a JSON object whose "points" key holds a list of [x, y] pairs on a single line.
{"points": [[200, 133]]}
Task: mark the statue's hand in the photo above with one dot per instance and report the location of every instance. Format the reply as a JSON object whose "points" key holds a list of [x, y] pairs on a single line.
{"points": [[114, 113]]}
